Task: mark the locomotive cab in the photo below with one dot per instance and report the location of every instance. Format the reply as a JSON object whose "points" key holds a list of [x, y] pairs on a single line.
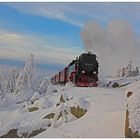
{"points": [[88, 64]]}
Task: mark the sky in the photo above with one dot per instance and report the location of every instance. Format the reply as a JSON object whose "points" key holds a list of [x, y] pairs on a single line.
{"points": [[51, 31]]}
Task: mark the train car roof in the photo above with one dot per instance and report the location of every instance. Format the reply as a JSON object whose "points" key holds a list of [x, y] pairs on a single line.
{"points": [[87, 54]]}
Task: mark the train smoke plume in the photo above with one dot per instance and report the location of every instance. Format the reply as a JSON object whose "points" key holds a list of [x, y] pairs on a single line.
{"points": [[115, 45]]}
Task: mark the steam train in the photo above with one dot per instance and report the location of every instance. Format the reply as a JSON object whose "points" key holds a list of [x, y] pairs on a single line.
{"points": [[83, 72]]}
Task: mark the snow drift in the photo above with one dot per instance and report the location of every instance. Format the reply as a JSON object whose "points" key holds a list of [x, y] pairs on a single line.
{"points": [[133, 108]]}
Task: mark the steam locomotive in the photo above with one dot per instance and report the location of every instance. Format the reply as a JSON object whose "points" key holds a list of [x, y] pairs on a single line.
{"points": [[83, 72]]}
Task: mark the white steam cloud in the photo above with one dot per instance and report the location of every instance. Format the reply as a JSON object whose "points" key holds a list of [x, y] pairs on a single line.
{"points": [[115, 45]]}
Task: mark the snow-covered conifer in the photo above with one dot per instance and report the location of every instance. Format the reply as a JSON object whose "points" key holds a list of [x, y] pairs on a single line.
{"points": [[12, 79], [42, 88], [28, 71], [25, 76], [137, 71], [36, 81], [4, 86], [129, 69]]}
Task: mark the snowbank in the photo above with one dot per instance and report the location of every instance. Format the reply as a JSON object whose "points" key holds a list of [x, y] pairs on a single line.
{"points": [[123, 81], [133, 107]]}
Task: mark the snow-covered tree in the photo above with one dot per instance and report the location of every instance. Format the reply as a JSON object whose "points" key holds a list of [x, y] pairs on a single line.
{"points": [[128, 71], [42, 88], [36, 81], [4, 89], [14, 73], [137, 71], [118, 73], [28, 71], [24, 79]]}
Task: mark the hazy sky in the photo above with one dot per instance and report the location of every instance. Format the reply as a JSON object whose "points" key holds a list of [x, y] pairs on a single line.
{"points": [[51, 31]]}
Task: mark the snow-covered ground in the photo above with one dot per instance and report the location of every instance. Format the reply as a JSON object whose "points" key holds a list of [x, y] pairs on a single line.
{"points": [[104, 118], [105, 109], [59, 111]]}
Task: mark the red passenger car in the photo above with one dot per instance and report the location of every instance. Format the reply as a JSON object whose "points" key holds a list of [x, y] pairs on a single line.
{"points": [[57, 77], [63, 76]]}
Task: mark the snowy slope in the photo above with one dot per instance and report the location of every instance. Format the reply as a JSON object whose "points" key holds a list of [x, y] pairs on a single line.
{"points": [[104, 112], [104, 105]]}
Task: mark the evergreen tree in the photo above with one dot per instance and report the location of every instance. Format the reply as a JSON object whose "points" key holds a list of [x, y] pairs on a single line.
{"points": [[42, 88], [24, 79], [14, 73]]}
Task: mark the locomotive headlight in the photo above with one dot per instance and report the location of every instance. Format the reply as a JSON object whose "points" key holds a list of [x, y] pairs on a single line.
{"points": [[94, 72], [83, 71]]}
